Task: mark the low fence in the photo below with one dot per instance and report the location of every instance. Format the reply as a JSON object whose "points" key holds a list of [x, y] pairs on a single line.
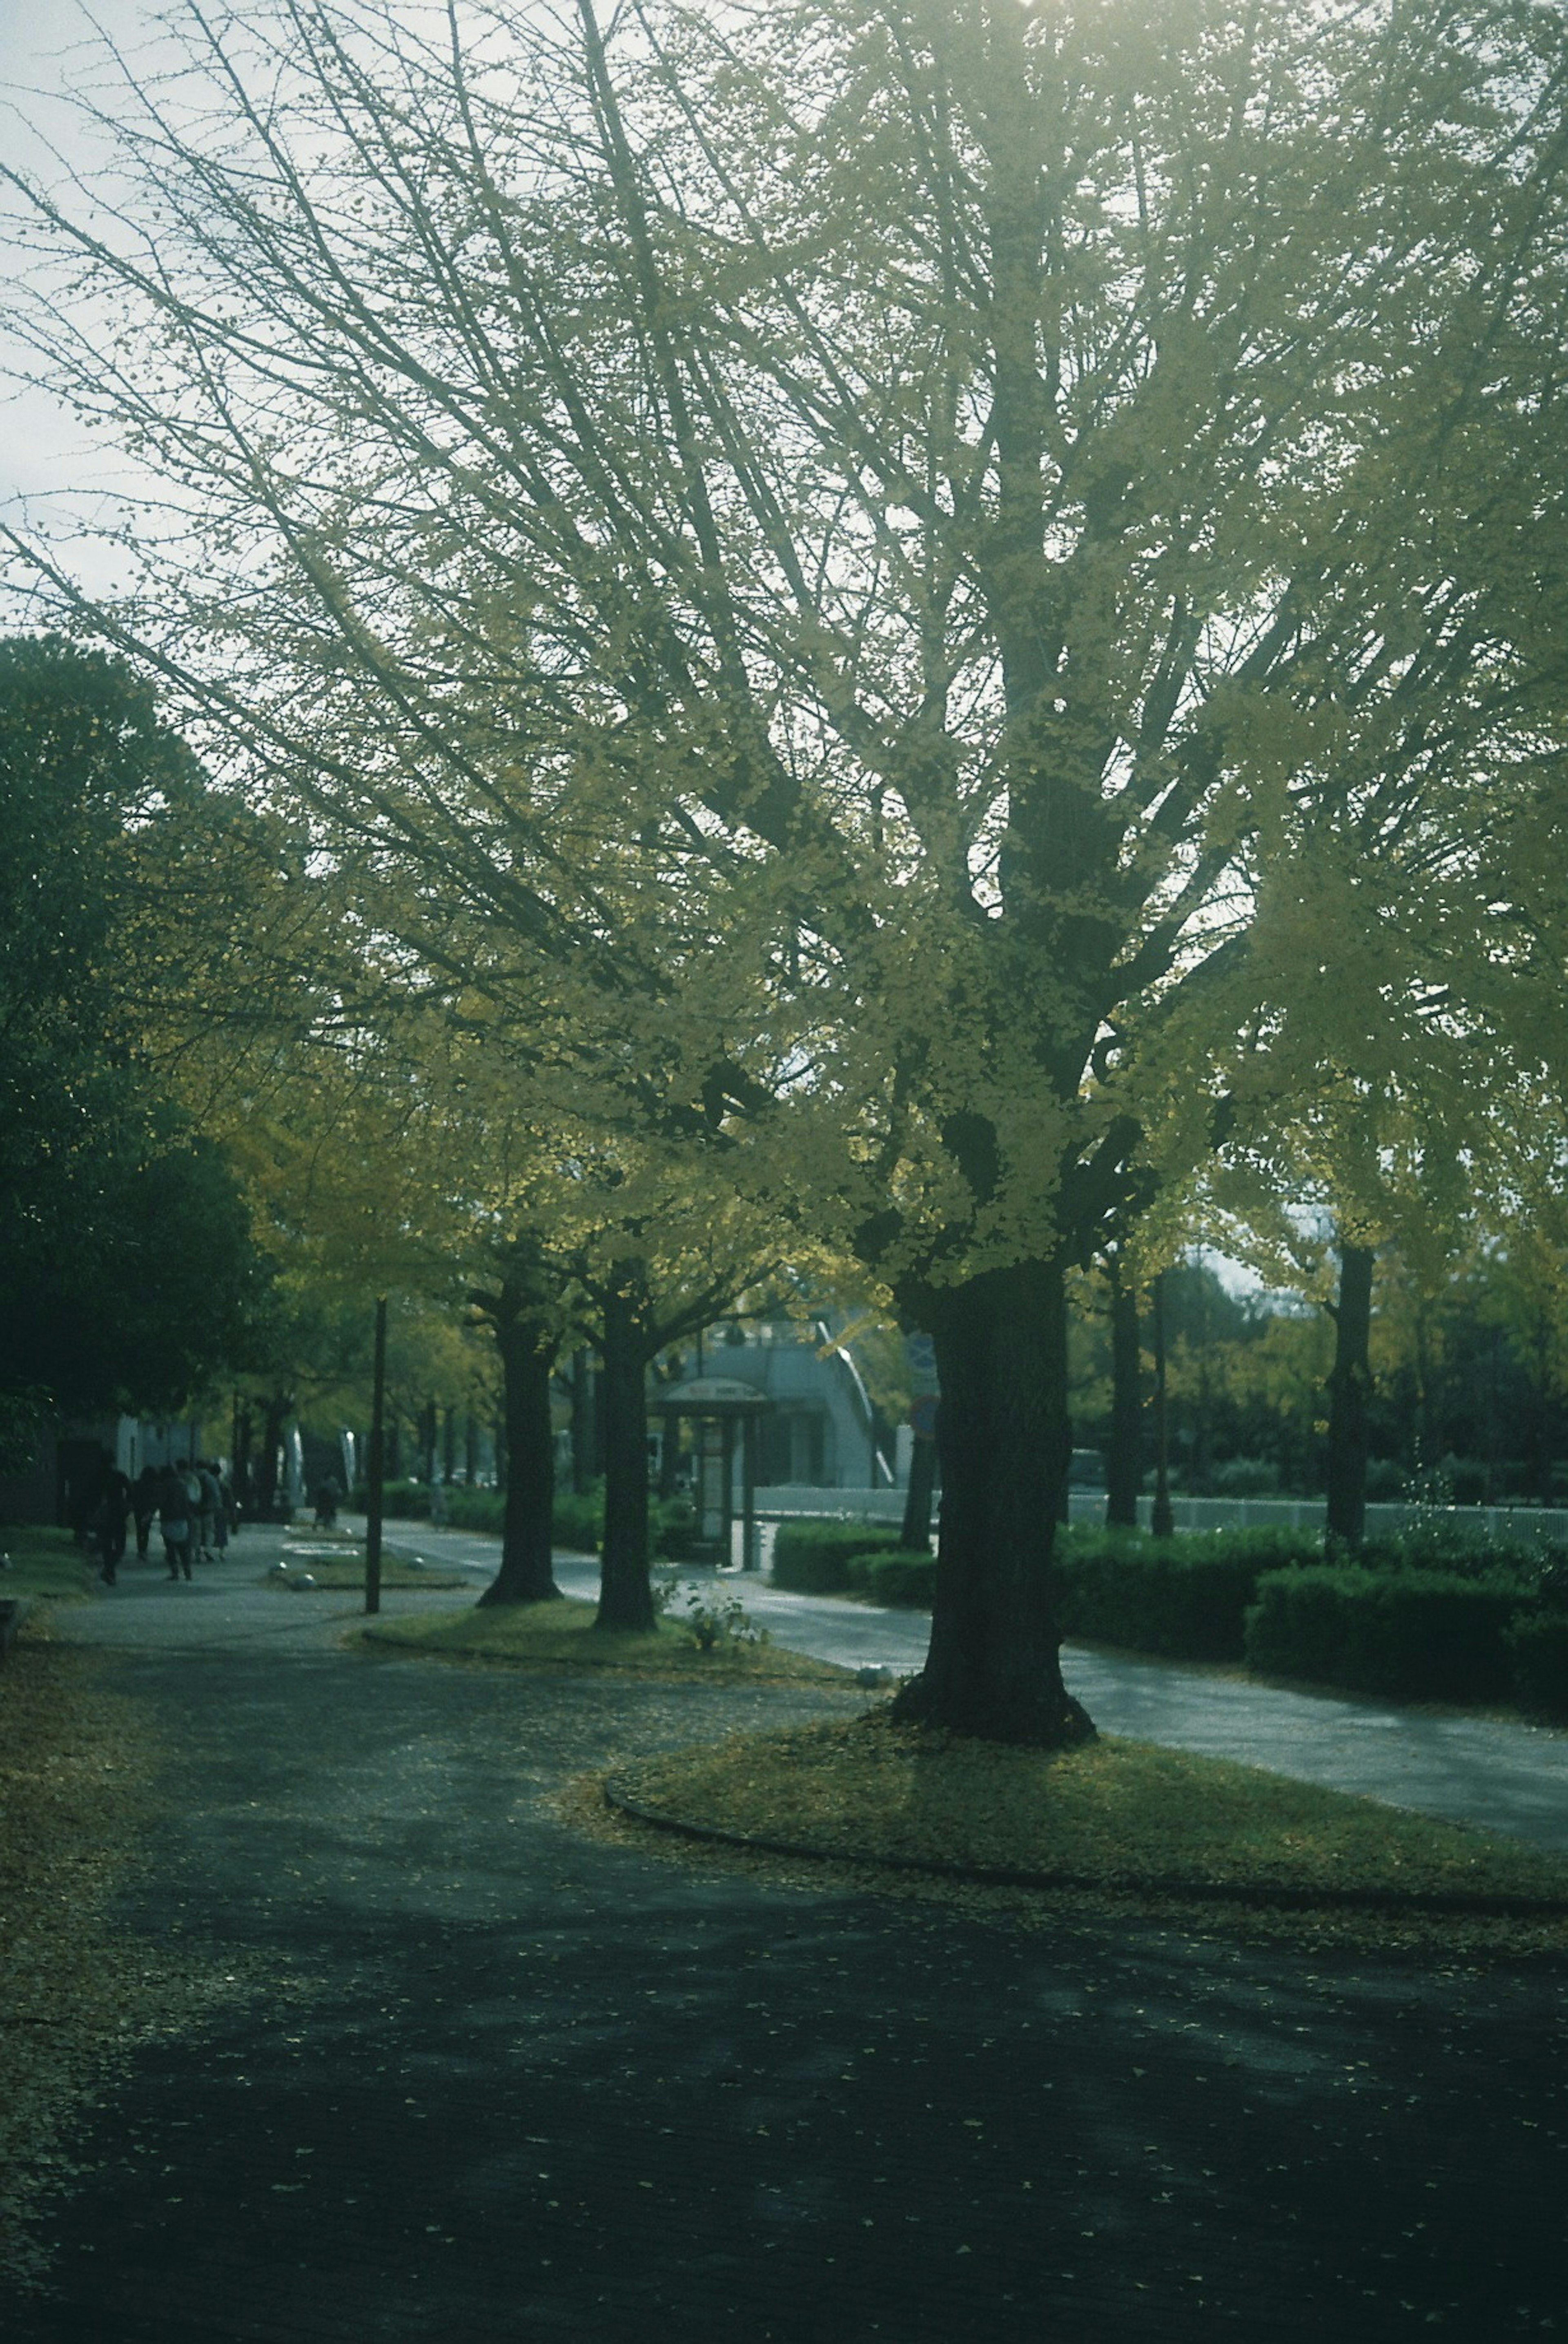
{"points": [[797, 1501], [802, 1502], [1548, 1524]]}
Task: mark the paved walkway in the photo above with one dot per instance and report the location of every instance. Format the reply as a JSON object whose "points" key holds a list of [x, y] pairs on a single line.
{"points": [[498, 2081], [1495, 1774]]}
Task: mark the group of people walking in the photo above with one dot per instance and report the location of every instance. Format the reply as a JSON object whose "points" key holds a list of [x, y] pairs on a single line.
{"points": [[192, 1503]]}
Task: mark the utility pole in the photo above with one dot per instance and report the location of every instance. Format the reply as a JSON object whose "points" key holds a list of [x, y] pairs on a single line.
{"points": [[1163, 1524], [377, 1474]]}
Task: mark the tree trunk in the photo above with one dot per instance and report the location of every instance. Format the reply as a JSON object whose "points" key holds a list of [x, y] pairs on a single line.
{"points": [[585, 1443], [993, 1669], [1349, 1388], [528, 1351], [241, 1475], [668, 1455], [625, 1595], [1543, 1451], [275, 1417], [916, 1531], [1162, 1521], [1123, 1459]]}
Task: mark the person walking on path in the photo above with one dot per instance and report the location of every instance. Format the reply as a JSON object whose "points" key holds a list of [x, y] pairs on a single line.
{"points": [[144, 1506], [209, 1505], [175, 1524], [109, 1515], [225, 1506]]}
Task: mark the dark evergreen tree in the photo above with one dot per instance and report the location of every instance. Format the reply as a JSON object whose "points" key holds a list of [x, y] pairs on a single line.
{"points": [[126, 1267]]}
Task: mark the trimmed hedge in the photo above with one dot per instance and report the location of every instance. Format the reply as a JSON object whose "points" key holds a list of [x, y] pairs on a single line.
{"points": [[401, 1501], [1538, 1649], [1459, 1551], [1420, 1635], [476, 1509], [900, 1576], [813, 1558], [1184, 1598]]}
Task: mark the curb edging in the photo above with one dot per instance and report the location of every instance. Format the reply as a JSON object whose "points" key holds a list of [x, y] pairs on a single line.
{"points": [[1240, 1892]]}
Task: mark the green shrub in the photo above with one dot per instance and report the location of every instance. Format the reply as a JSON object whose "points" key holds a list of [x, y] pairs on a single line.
{"points": [[1420, 1635], [1245, 1476], [899, 1575], [401, 1501], [1184, 1598], [717, 1620], [1460, 1551], [577, 1518], [1537, 1646], [476, 1509], [813, 1558], [1296, 1627], [672, 1528], [1271, 1546]]}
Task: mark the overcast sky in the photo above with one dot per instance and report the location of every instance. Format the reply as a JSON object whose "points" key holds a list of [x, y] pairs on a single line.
{"points": [[43, 449]]}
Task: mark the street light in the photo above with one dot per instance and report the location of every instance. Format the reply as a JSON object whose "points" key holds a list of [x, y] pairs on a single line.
{"points": [[376, 1470]]}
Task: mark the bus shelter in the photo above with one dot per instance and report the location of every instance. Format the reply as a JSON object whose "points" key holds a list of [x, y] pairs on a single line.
{"points": [[722, 1412]]}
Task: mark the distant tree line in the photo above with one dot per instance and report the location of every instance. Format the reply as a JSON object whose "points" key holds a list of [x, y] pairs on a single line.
{"points": [[1467, 1402]]}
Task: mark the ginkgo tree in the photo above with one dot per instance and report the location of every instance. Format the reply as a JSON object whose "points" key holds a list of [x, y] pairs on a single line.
{"points": [[938, 564], [411, 1139], [595, 1227]]}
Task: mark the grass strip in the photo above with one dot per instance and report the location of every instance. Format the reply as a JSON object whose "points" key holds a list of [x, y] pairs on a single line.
{"points": [[80, 1762], [562, 1635], [75, 1762], [1118, 1817], [330, 1569], [44, 1564]]}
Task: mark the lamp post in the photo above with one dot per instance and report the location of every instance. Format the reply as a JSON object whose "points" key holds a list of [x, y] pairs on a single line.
{"points": [[1163, 1522], [376, 1471]]}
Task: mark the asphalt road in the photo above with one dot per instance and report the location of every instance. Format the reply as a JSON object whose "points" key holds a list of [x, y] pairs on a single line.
{"points": [[487, 2078]]}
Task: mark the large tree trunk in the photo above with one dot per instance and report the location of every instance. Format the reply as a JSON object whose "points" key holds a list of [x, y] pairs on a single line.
{"points": [[1349, 1388], [993, 1669], [528, 1351], [625, 1595], [916, 1531], [1123, 1459], [586, 1443]]}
